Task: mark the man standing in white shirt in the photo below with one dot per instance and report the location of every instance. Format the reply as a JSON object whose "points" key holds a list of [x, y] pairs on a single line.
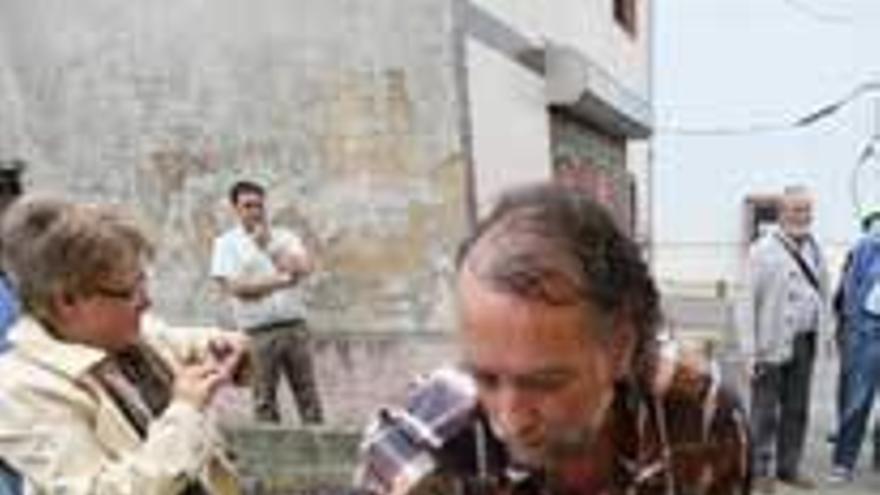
{"points": [[259, 268]]}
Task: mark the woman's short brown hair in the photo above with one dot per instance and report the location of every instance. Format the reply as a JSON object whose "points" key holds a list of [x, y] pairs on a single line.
{"points": [[53, 244]]}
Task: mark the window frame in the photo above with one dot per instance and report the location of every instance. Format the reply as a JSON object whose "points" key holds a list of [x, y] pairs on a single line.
{"points": [[625, 14]]}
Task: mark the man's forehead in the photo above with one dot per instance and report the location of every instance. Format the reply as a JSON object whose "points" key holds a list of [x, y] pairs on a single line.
{"points": [[249, 198], [250, 195], [474, 293], [797, 200]]}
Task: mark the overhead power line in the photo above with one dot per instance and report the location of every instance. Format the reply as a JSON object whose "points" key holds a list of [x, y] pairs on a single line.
{"points": [[807, 120], [819, 15], [829, 109]]}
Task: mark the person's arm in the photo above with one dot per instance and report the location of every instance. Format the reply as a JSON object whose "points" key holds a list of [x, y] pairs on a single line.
{"points": [[55, 436], [756, 275], [225, 268], [65, 456], [290, 255], [182, 344], [256, 287], [853, 283]]}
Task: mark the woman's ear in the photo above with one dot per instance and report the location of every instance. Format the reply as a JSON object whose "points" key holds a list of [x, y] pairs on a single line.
{"points": [[63, 303]]}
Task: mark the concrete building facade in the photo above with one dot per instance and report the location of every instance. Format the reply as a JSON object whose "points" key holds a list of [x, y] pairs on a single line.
{"points": [[578, 90], [381, 128]]}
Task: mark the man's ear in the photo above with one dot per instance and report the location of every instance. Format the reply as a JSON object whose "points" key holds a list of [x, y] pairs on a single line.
{"points": [[622, 345]]}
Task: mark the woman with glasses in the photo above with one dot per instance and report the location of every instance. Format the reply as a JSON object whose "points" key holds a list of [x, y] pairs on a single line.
{"points": [[96, 397]]}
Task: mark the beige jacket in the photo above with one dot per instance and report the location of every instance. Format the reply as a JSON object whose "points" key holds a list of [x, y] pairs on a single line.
{"points": [[65, 434]]}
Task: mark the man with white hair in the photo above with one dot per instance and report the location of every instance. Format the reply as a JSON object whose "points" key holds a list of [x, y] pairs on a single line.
{"points": [[787, 303]]}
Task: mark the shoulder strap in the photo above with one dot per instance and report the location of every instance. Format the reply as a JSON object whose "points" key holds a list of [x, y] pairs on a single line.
{"points": [[801, 263]]}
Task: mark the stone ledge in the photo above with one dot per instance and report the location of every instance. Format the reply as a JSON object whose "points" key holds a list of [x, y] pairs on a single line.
{"points": [[275, 460]]}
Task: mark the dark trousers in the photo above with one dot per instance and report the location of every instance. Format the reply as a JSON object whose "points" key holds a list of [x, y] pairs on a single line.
{"points": [[780, 410], [278, 349]]}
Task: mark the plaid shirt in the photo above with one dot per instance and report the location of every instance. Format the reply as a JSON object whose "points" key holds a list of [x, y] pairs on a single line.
{"points": [[675, 430]]}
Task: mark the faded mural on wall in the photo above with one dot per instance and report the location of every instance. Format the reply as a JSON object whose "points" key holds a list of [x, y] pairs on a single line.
{"points": [[351, 123]]}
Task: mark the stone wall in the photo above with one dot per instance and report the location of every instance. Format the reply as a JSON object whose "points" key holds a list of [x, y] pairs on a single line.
{"points": [[347, 110], [275, 460], [357, 374]]}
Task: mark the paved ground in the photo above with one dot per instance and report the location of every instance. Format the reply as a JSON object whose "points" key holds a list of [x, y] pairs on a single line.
{"points": [[707, 319], [819, 450]]}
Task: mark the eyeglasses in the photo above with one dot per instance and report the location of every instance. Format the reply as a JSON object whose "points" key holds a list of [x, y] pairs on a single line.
{"points": [[135, 292]]}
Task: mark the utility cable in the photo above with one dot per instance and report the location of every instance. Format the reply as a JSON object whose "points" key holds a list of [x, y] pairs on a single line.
{"points": [[807, 120], [818, 15]]}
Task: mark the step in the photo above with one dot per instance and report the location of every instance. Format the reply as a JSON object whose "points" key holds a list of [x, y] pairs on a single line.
{"points": [[284, 460]]}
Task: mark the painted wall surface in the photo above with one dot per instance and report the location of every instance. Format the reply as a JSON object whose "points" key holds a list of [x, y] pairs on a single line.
{"points": [[352, 121], [638, 155], [623, 60], [509, 123], [588, 26], [799, 66]]}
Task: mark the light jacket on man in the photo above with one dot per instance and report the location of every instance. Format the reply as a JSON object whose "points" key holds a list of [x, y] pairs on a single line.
{"points": [[776, 289], [65, 434]]}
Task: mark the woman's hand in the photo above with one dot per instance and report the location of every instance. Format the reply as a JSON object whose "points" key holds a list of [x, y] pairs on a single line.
{"points": [[196, 382]]}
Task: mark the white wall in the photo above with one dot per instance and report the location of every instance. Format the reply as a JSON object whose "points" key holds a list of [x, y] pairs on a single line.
{"points": [[589, 26], [709, 74], [510, 126], [638, 161]]}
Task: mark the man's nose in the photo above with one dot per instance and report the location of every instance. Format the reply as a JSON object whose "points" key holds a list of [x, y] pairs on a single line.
{"points": [[515, 409]]}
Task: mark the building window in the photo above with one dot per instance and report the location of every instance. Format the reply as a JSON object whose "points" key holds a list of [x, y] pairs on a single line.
{"points": [[761, 215], [625, 15]]}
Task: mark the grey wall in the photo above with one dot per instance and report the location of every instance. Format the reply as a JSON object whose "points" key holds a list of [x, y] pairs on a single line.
{"points": [[348, 110]]}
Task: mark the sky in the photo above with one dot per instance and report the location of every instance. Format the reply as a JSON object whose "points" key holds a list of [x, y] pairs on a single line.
{"points": [[742, 64]]}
